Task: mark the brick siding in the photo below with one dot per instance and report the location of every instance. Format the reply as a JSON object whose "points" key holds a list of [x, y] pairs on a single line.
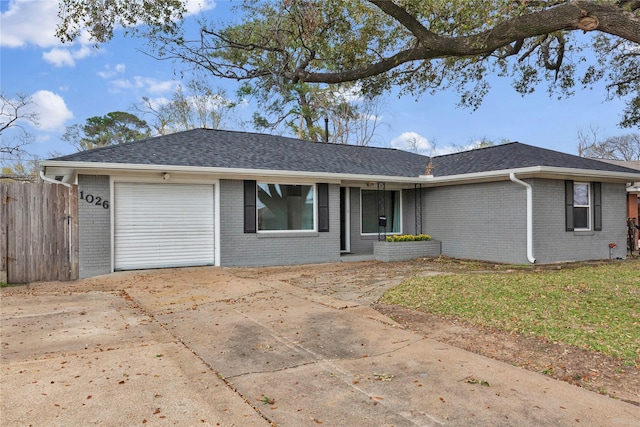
{"points": [[94, 226], [261, 249], [552, 243]]}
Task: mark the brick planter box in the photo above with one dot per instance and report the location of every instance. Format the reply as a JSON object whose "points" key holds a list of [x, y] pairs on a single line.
{"points": [[403, 251]]}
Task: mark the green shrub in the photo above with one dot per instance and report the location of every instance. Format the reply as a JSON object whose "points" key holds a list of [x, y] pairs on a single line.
{"points": [[408, 238]]}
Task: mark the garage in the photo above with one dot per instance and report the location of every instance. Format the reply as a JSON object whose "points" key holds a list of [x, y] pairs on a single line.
{"points": [[163, 225]]}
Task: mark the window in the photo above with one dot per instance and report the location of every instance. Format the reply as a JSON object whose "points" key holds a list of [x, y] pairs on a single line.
{"points": [[283, 207], [583, 206], [371, 200]]}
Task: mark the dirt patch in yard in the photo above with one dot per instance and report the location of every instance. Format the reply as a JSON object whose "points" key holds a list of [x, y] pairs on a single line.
{"points": [[365, 283], [588, 369], [591, 370]]}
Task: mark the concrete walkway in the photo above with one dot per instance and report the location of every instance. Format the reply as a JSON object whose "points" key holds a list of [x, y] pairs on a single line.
{"points": [[238, 347]]}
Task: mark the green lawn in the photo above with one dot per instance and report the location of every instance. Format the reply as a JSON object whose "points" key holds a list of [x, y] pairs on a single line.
{"points": [[593, 307]]}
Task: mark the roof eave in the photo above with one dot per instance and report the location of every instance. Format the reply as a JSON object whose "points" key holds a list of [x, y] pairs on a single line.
{"points": [[533, 172], [527, 172], [222, 172]]}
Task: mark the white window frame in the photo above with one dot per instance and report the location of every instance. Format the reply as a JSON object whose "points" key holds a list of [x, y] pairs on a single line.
{"points": [[315, 208], [399, 191], [589, 207]]}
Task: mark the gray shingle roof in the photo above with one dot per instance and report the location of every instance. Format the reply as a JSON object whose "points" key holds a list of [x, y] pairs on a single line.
{"points": [[632, 164], [243, 150], [512, 156]]}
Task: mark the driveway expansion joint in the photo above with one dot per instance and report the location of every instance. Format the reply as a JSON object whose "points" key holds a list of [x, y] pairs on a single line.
{"points": [[125, 295]]}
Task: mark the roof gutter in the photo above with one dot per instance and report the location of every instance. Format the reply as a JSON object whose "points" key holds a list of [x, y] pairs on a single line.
{"points": [[533, 170], [424, 179], [228, 171], [52, 181], [512, 177]]}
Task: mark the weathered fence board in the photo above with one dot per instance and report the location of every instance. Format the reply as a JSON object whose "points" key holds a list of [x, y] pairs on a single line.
{"points": [[39, 232]]}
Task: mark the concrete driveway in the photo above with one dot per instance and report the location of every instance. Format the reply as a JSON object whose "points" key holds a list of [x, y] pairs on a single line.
{"points": [[217, 346]]}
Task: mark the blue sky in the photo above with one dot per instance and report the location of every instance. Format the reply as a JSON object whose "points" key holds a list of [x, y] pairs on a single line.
{"points": [[70, 83]]}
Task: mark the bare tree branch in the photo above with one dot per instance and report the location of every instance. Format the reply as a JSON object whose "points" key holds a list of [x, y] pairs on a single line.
{"points": [[623, 147], [12, 116]]}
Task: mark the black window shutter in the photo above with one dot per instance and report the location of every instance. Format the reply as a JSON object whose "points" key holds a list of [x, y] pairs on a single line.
{"points": [[250, 206], [323, 207], [568, 201], [597, 206]]}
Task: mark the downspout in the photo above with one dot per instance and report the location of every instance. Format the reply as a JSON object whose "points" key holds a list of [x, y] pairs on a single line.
{"points": [[52, 181], [512, 177]]}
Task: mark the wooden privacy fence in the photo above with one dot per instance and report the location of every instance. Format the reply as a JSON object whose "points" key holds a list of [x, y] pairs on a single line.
{"points": [[39, 230]]}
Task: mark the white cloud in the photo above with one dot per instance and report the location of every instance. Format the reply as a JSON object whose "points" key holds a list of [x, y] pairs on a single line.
{"points": [[452, 149], [214, 102], [352, 93], [29, 22], [51, 109], [630, 48], [412, 141], [61, 57], [155, 86], [372, 117], [146, 84], [196, 6], [156, 103], [111, 72], [34, 22]]}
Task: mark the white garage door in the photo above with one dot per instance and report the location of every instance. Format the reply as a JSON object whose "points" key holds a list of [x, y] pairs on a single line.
{"points": [[163, 225]]}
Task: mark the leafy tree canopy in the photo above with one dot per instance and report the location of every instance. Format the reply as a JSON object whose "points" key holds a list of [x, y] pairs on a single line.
{"points": [[116, 127], [22, 168], [416, 45]]}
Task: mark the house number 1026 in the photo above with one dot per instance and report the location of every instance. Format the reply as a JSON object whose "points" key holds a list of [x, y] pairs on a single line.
{"points": [[94, 200]]}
